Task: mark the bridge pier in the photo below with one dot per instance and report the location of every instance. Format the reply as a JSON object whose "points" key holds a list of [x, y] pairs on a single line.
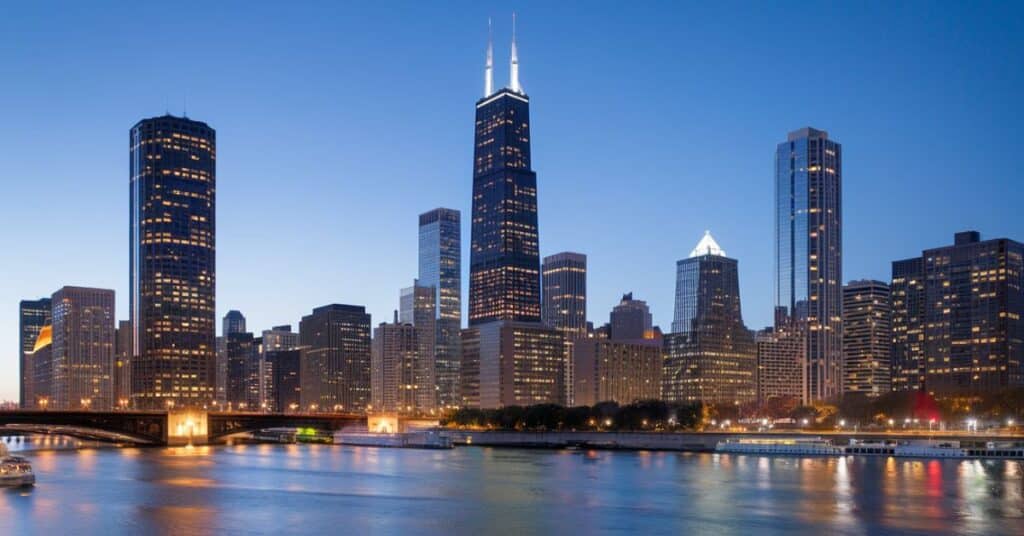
{"points": [[187, 427]]}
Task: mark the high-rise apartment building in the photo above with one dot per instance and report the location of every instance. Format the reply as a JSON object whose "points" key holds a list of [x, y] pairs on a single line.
{"points": [[397, 375], [780, 364], [621, 371], [516, 364], [711, 356], [808, 250], [33, 316], [440, 266], [83, 349], [336, 372], [867, 338], [973, 301], [173, 262], [907, 305]]}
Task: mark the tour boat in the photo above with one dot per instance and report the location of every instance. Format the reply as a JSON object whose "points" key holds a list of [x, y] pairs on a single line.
{"points": [[423, 439], [871, 447], [810, 446], [953, 449], [14, 470]]}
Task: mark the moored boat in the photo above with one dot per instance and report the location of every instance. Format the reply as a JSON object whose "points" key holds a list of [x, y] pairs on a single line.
{"points": [[788, 446]]}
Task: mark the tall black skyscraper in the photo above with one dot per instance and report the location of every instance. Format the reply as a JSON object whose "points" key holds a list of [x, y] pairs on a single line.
{"points": [[33, 315], [173, 179], [504, 273], [336, 371]]}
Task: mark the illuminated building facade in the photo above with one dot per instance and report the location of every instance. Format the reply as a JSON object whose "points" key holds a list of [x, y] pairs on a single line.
{"points": [[41, 358], [397, 377], [867, 338], [440, 266], [33, 315], [618, 371], [83, 349], [336, 372], [519, 363], [973, 302], [780, 364], [504, 273], [908, 307], [123, 364], [564, 278], [173, 262], [808, 250], [711, 357]]}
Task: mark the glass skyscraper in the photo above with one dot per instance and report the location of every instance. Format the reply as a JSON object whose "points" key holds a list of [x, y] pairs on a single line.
{"points": [[173, 264], [33, 315], [808, 251], [565, 293], [440, 266], [336, 372], [711, 355]]}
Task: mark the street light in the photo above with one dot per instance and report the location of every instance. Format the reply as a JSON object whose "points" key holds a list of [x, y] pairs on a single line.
{"points": [[44, 402]]}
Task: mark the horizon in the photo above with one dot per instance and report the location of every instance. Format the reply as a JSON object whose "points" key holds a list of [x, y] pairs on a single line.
{"points": [[336, 171]]}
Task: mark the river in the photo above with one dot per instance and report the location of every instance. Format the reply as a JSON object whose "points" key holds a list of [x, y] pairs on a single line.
{"points": [[475, 490]]}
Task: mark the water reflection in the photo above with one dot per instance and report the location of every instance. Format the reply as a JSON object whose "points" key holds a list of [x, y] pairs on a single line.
{"points": [[318, 488]]}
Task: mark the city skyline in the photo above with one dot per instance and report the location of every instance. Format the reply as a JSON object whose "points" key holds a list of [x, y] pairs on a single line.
{"points": [[557, 236]]}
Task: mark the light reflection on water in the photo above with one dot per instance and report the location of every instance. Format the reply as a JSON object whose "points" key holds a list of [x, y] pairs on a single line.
{"points": [[320, 488]]}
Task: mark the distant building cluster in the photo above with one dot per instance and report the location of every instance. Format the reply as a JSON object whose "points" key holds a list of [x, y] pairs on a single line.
{"points": [[948, 322]]}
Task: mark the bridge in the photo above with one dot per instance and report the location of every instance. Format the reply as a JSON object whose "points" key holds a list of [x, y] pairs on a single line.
{"points": [[162, 427]]}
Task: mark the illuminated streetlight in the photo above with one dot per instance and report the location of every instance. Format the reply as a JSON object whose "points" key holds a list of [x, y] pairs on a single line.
{"points": [[842, 423], [607, 422], [803, 422]]}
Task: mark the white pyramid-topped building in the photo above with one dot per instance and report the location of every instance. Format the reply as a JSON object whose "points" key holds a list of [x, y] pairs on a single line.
{"points": [[707, 246]]}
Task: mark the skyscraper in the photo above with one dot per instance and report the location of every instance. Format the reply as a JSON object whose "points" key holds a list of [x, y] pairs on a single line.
{"points": [[419, 304], [233, 322], [518, 363], [504, 273], [41, 359], [973, 301], [440, 266], [630, 319], [123, 364], [808, 251], [243, 377], [711, 356], [83, 349], [867, 338], [908, 309], [280, 338], [336, 374], [564, 279], [173, 264], [396, 377], [33, 315], [780, 364]]}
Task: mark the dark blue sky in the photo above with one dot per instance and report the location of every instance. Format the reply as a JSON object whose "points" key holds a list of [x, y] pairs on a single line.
{"points": [[338, 123]]}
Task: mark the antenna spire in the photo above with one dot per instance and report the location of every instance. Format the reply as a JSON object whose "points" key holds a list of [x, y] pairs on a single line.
{"points": [[514, 66], [489, 70]]}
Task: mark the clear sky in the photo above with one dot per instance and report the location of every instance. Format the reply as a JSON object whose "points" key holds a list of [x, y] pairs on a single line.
{"points": [[338, 123]]}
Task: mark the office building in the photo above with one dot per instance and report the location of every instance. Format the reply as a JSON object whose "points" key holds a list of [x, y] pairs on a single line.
{"points": [[33, 315], [504, 273], [513, 364], [440, 266], [808, 251], [233, 322], [780, 364], [243, 371], [419, 310], [564, 279], [399, 378], [173, 262], [83, 349], [280, 338], [630, 319], [41, 359], [336, 372], [972, 325], [621, 371], [867, 338], [123, 365], [711, 357], [285, 391]]}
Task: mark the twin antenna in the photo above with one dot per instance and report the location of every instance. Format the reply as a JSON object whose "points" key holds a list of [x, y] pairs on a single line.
{"points": [[513, 64]]}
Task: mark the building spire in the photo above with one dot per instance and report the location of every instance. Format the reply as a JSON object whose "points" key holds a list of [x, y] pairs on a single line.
{"points": [[489, 69], [514, 66]]}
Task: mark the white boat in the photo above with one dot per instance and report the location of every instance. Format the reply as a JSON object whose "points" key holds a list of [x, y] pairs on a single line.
{"points": [[931, 449], [790, 446], [425, 439], [15, 471], [871, 447]]}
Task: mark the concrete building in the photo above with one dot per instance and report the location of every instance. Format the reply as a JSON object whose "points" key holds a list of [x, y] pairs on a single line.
{"points": [[618, 371], [780, 364], [336, 374], [513, 364], [867, 338], [397, 375], [973, 301], [83, 349]]}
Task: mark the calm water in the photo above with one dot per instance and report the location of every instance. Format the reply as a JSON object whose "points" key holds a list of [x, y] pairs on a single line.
{"points": [[349, 490]]}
